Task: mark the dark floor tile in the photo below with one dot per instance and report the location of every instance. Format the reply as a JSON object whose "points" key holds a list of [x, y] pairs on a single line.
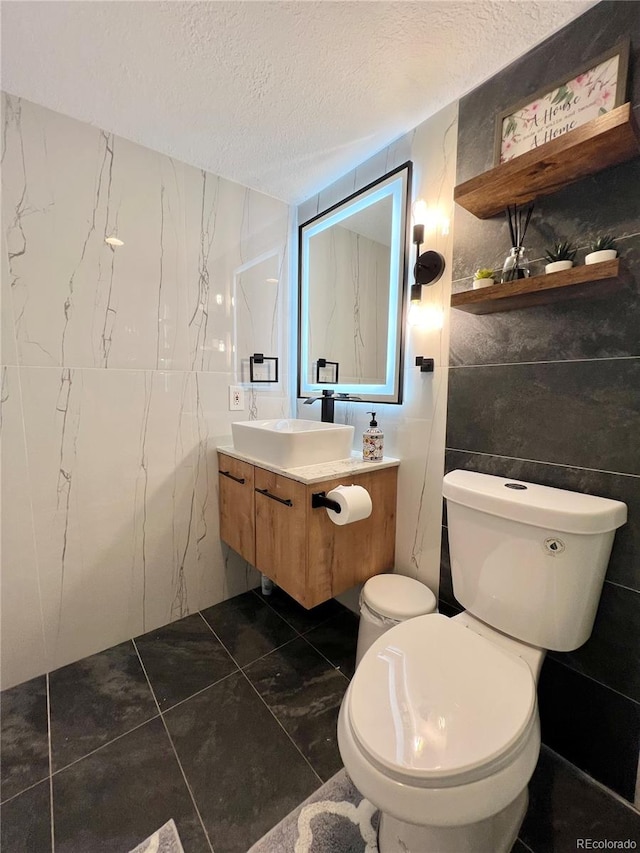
{"points": [[337, 640], [95, 700], [25, 821], [24, 741], [245, 773], [116, 797], [298, 616], [304, 692], [520, 847], [565, 805], [182, 658], [247, 627], [591, 725]]}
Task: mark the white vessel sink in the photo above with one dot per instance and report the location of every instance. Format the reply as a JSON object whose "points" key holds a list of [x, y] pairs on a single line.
{"points": [[291, 442]]}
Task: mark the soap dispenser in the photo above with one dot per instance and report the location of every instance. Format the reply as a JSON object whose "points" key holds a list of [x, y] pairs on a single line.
{"points": [[372, 441]]}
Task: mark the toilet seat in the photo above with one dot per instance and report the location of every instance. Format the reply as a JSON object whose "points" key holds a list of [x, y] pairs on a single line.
{"points": [[434, 704]]}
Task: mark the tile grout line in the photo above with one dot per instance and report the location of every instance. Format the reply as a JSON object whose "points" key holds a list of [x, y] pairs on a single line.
{"points": [[24, 790], [284, 619], [301, 634], [545, 361], [592, 780], [331, 664], [103, 745], [184, 775], [305, 759], [53, 839], [281, 646], [595, 680], [540, 462]]}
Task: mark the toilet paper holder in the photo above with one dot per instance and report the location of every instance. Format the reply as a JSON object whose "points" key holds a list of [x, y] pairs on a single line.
{"points": [[320, 499]]}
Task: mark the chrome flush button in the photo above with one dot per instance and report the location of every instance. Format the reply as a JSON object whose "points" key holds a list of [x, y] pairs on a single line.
{"points": [[554, 546]]}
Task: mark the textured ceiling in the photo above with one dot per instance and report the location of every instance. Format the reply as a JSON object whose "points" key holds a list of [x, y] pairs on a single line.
{"points": [[283, 97]]}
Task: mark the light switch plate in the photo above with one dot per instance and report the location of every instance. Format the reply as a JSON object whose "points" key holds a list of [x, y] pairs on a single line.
{"points": [[236, 398]]}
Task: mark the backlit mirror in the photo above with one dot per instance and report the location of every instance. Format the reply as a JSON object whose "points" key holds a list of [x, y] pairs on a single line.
{"points": [[352, 275]]}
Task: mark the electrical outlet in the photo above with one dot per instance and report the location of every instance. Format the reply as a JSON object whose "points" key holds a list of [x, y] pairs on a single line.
{"points": [[236, 398]]}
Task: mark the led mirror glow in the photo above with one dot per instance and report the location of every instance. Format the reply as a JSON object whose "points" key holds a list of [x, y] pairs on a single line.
{"points": [[352, 277]]}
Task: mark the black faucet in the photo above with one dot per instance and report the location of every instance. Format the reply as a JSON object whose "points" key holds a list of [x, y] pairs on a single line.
{"points": [[328, 400]]}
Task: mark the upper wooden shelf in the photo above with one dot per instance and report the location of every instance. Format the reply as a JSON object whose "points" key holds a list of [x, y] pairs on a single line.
{"points": [[602, 142], [587, 280]]}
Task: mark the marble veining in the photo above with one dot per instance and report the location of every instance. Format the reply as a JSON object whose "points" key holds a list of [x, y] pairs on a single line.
{"points": [[115, 374]]}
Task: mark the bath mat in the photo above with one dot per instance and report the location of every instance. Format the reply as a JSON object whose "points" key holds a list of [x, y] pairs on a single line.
{"points": [[165, 840], [335, 819]]}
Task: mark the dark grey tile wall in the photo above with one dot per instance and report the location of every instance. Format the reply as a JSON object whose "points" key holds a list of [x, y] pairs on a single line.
{"points": [[551, 394]]}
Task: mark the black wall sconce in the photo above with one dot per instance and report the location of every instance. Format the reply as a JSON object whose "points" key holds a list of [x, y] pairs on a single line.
{"points": [[428, 268]]}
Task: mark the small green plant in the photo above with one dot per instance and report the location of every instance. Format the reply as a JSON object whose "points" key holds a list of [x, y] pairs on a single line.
{"points": [[604, 241], [561, 252], [482, 273]]}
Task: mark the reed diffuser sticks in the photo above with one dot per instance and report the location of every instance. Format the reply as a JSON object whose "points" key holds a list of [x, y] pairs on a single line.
{"points": [[516, 227], [518, 220]]}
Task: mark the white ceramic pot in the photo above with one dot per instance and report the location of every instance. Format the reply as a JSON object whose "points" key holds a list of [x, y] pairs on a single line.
{"points": [[556, 266], [482, 282], [602, 255]]}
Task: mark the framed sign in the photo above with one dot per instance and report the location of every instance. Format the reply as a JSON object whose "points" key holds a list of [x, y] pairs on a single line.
{"points": [[564, 105]]}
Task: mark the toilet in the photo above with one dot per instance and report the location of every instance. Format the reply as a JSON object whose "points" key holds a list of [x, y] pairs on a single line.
{"points": [[439, 727]]}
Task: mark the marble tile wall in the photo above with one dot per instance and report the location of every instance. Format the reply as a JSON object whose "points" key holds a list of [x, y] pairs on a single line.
{"points": [[116, 364], [415, 430], [552, 393]]}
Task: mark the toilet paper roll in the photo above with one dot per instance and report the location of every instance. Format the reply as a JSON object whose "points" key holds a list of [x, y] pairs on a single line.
{"points": [[355, 504]]}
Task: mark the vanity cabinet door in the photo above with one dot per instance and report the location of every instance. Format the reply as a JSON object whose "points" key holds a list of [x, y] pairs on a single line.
{"points": [[237, 506], [281, 531]]}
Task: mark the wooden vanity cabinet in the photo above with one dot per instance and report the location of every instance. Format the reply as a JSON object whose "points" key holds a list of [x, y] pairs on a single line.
{"points": [[299, 547], [237, 506], [281, 521]]}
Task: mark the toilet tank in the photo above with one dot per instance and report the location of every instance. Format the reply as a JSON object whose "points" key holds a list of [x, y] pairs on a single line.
{"points": [[527, 559]]}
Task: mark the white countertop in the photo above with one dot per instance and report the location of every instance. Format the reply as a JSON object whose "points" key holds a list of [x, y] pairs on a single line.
{"points": [[322, 471]]}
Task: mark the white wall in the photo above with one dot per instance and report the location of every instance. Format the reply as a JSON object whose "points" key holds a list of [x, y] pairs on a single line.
{"points": [[415, 430], [115, 372]]}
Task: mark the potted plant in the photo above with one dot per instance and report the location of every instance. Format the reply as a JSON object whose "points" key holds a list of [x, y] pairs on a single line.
{"points": [[603, 248], [483, 278], [561, 257]]}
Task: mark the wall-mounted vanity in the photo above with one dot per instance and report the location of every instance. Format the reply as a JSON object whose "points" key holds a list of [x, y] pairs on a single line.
{"points": [[267, 515]]}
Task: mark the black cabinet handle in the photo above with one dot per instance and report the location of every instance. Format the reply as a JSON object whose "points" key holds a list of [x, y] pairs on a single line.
{"points": [[268, 494], [231, 477]]}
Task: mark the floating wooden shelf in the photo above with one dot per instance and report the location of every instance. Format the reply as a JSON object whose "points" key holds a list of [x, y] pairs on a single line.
{"points": [[588, 280], [605, 141]]}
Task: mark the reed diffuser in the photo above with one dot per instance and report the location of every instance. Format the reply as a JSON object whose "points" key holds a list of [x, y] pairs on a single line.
{"points": [[516, 264]]}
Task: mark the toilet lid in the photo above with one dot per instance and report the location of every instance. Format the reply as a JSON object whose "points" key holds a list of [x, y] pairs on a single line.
{"points": [[398, 597], [432, 700]]}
